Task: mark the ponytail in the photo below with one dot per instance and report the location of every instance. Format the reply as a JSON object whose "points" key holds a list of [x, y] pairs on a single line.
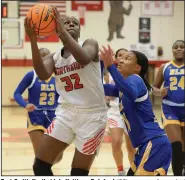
{"points": [[142, 60], [148, 86]]}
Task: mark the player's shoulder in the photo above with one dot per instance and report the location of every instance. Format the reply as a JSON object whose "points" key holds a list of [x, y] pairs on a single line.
{"points": [[165, 66], [139, 83], [29, 76], [30, 73], [90, 41], [135, 78]]}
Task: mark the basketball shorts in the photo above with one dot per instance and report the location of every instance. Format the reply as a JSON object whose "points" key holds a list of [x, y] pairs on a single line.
{"points": [[84, 127], [173, 115], [153, 157], [39, 119], [115, 120]]}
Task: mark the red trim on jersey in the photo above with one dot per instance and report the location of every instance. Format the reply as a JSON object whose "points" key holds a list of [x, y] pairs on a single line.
{"points": [[113, 122]]}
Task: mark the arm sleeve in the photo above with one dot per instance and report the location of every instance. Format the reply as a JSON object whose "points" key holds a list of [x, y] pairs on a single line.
{"points": [[111, 90], [102, 69], [26, 81], [130, 87]]}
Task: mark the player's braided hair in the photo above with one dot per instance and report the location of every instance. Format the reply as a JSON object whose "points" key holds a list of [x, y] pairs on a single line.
{"points": [[142, 60]]}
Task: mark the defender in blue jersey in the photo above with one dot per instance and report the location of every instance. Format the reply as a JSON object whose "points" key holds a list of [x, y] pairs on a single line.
{"points": [[154, 151], [173, 104], [117, 126], [41, 105]]}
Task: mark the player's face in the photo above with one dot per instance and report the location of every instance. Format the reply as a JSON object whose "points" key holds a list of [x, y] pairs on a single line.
{"points": [[72, 26], [120, 55], [128, 65], [178, 50]]}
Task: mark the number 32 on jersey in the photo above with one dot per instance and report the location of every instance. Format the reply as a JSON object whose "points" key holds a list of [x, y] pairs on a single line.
{"points": [[72, 82]]}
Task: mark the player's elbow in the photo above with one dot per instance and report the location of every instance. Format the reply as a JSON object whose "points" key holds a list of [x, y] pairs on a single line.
{"points": [[85, 61], [90, 52], [89, 57], [15, 95]]}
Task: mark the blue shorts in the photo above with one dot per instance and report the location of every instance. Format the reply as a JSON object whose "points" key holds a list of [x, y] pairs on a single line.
{"points": [[173, 115], [153, 157], [39, 119]]}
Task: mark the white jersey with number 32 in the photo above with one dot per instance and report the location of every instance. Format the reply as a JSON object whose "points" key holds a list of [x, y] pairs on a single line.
{"points": [[78, 85]]}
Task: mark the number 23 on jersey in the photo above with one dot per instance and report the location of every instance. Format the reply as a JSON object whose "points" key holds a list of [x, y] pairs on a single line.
{"points": [[44, 96]]}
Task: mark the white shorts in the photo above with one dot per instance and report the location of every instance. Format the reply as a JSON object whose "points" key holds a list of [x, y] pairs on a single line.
{"points": [[85, 127], [114, 118]]}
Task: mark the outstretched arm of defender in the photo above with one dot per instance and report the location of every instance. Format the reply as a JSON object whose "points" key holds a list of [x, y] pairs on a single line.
{"points": [[43, 66], [128, 86]]}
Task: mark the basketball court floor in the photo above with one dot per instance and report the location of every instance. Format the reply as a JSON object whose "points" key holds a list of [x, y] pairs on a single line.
{"points": [[18, 156]]}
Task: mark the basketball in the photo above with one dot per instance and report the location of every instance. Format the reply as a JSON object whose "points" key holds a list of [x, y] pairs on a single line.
{"points": [[41, 16]]}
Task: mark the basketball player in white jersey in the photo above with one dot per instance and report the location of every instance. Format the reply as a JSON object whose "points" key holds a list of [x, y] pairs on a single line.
{"points": [[117, 126], [81, 113]]}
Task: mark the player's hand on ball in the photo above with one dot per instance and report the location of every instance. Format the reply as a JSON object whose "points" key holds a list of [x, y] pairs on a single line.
{"points": [[106, 54], [59, 21], [29, 30], [30, 107]]}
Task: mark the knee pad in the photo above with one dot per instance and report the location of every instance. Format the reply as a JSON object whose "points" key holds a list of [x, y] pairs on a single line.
{"points": [[79, 172], [42, 168]]}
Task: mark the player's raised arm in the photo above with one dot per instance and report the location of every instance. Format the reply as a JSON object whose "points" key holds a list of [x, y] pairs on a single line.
{"points": [[122, 84], [68, 30], [43, 66]]}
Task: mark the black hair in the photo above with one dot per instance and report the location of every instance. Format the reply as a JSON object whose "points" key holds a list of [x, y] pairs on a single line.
{"points": [[116, 54], [177, 41], [142, 60]]}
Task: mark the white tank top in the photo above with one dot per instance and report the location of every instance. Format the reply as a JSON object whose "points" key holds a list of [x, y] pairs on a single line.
{"points": [[77, 85], [114, 102]]}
